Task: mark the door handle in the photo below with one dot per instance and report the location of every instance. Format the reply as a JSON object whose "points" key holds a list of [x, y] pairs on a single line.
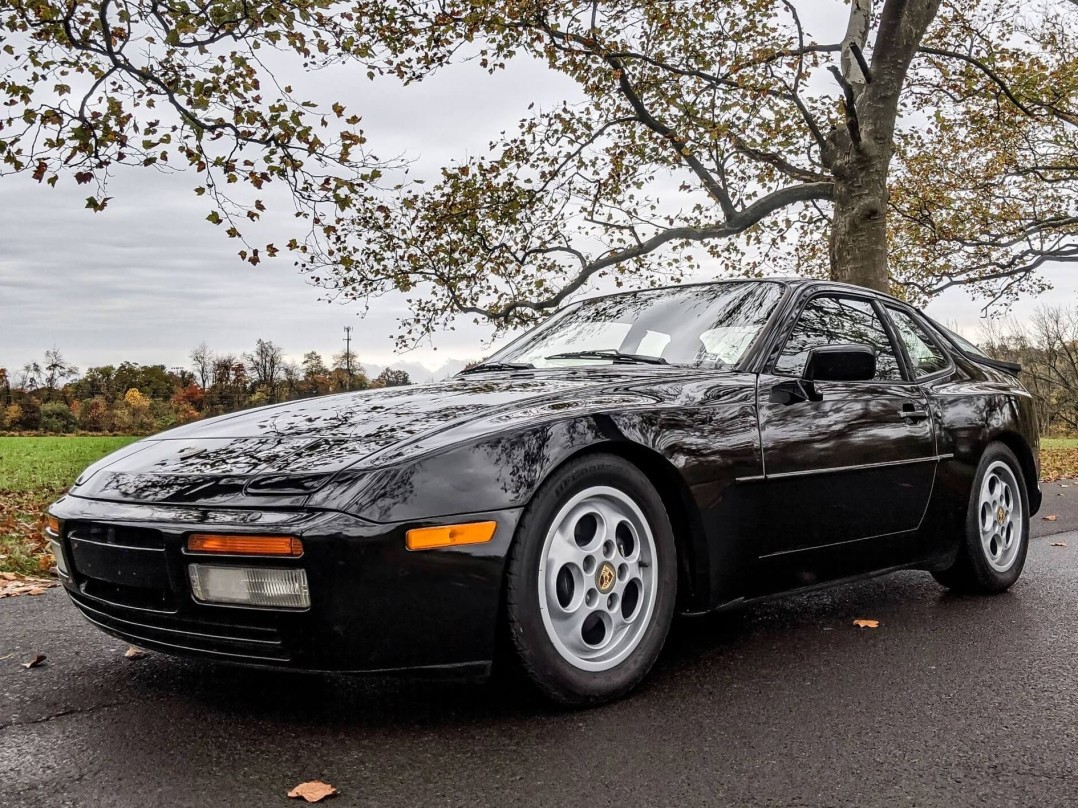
{"points": [[912, 413]]}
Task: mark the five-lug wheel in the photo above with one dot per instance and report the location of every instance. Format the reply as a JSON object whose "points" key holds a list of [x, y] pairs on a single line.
{"points": [[992, 552], [1000, 516], [592, 581], [596, 578]]}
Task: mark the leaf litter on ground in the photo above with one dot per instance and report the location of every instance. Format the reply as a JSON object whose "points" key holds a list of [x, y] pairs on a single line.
{"points": [[12, 585]]}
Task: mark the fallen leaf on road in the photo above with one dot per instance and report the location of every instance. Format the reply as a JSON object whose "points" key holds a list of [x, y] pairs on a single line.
{"points": [[1059, 544], [314, 791], [33, 663], [1051, 518], [35, 590], [134, 653], [9, 576], [866, 623]]}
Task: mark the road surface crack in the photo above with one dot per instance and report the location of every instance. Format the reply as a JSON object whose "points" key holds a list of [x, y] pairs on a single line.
{"points": [[62, 714]]}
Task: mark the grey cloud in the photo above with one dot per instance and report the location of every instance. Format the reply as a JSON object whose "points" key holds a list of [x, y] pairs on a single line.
{"points": [[149, 278]]}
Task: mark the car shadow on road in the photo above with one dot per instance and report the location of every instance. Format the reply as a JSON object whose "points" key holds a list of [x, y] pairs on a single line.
{"points": [[330, 699], [803, 637]]}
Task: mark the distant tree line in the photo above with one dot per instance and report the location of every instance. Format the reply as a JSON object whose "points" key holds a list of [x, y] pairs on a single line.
{"points": [[51, 395], [1046, 346]]}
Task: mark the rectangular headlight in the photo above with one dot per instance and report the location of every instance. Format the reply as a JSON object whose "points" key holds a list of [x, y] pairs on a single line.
{"points": [[250, 586]]}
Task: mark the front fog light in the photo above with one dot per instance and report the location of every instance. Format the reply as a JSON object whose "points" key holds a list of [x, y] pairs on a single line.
{"points": [[250, 586], [58, 554]]}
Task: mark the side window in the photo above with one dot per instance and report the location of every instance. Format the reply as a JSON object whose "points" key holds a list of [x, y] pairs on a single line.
{"points": [[838, 321], [927, 357]]}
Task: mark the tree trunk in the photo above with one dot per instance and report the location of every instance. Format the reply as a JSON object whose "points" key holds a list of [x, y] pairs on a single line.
{"points": [[859, 153], [859, 226]]}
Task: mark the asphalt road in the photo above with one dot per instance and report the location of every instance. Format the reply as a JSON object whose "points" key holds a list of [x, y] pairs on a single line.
{"points": [[952, 701]]}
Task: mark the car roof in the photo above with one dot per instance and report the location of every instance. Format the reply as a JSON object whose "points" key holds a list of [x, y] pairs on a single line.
{"points": [[788, 281]]}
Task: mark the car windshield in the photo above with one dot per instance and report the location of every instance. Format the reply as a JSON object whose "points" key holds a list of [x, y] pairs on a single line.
{"points": [[709, 325]]}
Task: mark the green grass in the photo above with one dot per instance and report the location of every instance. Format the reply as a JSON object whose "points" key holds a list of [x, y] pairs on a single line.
{"points": [[33, 464], [1059, 443], [33, 472]]}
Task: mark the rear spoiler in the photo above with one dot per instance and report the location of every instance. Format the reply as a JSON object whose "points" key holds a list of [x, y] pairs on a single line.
{"points": [[1007, 367]]}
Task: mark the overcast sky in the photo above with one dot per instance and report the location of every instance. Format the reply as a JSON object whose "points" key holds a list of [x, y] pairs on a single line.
{"points": [[149, 278]]}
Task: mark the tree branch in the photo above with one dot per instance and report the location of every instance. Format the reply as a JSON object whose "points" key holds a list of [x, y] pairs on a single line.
{"points": [[680, 145], [856, 36], [849, 105], [994, 77], [786, 167], [795, 96], [861, 63], [621, 56], [741, 221]]}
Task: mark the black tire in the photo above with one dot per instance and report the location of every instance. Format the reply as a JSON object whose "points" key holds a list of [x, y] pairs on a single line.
{"points": [[554, 675], [972, 571]]}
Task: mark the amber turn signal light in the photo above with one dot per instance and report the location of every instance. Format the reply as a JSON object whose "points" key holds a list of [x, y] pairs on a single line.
{"points": [[245, 545], [427, 538], [52, 524]]}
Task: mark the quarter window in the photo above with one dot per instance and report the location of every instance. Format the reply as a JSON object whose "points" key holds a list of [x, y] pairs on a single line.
{"points": [[838, 321], [925, 355]]}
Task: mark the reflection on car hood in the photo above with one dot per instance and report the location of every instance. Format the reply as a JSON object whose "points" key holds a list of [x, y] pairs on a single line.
{"points": [[293, 448]]}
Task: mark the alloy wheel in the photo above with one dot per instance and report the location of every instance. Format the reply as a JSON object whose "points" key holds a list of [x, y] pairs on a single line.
{"points": [[999, 511], [597, 578]]}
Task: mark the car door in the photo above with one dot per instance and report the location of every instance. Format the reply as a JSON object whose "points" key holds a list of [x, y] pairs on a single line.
{"points": [[854, 467]]}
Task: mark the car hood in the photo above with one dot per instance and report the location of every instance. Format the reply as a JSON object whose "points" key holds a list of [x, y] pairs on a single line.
{"points": [[292, 449]]}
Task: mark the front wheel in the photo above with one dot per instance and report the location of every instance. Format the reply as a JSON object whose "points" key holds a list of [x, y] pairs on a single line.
{"points": [[592, 581], [997, 528]]}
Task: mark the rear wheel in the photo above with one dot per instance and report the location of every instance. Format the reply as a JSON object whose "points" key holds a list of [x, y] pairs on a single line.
{"points": [[997, 527], [592, 581]]}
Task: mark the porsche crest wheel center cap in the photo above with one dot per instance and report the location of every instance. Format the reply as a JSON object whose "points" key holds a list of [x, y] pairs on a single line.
{"points": [[605, 577], [1001, 516]]}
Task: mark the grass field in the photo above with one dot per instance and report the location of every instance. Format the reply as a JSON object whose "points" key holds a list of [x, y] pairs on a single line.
{"points": [[33, 472], [1055, 444]]}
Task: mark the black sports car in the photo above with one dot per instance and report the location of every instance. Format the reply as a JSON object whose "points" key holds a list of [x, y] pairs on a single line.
{"points": [[679, 449]]}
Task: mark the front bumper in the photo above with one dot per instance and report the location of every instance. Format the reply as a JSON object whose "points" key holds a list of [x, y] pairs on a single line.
{"points": [[375, 606]]}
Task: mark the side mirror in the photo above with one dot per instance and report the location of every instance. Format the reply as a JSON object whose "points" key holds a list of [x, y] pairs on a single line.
{"points": [[841, 363]]}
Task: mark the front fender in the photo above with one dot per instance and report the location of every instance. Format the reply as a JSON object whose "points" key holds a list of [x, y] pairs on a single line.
{"points": [[491, 473]]}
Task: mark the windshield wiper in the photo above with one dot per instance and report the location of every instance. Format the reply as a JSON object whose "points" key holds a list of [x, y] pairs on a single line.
{"points": [[498, 366], [612, 354]]}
